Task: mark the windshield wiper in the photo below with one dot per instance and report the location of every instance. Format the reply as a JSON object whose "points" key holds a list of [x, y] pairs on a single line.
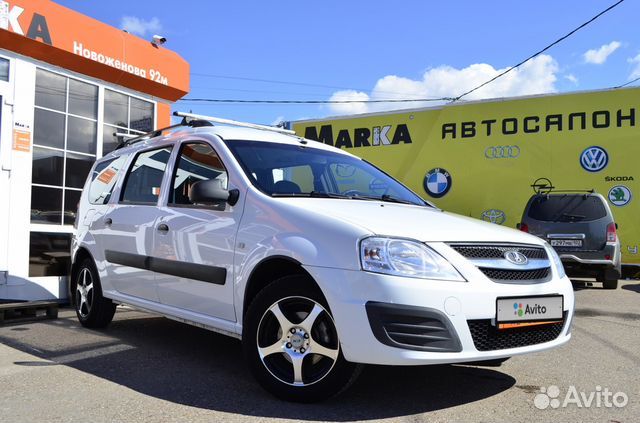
{"points": [[315, 194], [572, 216], [392, 199]]}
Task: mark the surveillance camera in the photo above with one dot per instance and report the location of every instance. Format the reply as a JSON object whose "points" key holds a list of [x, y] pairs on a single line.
{"points": [[158, 40]]}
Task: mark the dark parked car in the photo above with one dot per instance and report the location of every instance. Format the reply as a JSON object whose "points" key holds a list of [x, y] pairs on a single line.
{"points": [[581, 228]]}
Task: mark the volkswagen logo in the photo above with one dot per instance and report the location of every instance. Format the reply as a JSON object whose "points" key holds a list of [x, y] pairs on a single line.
{"points": [[594, 159], [502, 152], [494, 216], [516, 257]]}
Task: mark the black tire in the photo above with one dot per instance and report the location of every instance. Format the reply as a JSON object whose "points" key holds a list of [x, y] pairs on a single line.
{"points": [[271, 349], [93, 310], [610, 284]]}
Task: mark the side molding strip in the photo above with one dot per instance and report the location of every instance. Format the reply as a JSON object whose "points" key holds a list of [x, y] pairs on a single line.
{"points": [[201, 272]]}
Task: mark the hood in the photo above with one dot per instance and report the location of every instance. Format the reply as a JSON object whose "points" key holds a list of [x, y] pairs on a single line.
{"points": [[406, 221]]}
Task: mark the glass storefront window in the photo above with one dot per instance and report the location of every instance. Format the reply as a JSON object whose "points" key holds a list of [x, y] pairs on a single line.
{"points": [[51, 90], [125, 115], [83, 99], [81, 135], [4, 69], [141, 115], [47, 167], [78, 167], [49, 254], [116, 108], [71, 200], [64, 145], [46, 205], [48, 128], [65, 139]]}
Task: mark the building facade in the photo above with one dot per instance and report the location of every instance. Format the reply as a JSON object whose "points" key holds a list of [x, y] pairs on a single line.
{"points": [[69, 86]]}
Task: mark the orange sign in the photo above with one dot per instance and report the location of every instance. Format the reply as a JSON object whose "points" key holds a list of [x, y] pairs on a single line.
{"points": [[107, 175], [52, 33], [21, 140]]}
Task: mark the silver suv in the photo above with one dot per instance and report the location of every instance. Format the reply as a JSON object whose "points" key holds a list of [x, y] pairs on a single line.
{"points": [[581, 228]]}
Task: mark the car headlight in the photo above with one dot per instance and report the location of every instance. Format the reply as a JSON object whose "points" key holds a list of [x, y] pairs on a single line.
{"points": [[407, 258], [556, 260]]}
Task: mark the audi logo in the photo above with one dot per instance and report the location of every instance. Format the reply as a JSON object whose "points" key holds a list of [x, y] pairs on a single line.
{"points": [[502, 152]]}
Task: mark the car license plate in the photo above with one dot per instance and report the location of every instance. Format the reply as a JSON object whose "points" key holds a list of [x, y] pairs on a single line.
{"points": [[526, 311], [566, 242]]}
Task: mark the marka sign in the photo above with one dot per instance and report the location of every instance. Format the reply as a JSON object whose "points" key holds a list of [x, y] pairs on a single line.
{"points": [[362, 137]]}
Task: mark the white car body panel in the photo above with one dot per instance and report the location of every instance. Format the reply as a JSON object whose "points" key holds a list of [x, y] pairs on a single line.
{"points": [[322, 235]]}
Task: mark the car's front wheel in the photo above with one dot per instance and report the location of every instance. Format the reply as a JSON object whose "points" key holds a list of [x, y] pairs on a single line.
{"points": [[291, 343]]}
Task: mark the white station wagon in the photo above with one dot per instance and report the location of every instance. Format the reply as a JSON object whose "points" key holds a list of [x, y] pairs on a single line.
{"points": [[316, 259]]}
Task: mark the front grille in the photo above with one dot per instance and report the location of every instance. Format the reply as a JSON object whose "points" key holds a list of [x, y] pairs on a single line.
{"points": [[516, 275], [490, 260], [497, 251], [487, 337]]}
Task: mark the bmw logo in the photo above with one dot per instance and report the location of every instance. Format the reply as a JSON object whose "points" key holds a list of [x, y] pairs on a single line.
{"points": [[437, 182], [594, 159]]}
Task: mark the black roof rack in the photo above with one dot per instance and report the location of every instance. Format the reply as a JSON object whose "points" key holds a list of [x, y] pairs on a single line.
{"points": [[194, 123]]}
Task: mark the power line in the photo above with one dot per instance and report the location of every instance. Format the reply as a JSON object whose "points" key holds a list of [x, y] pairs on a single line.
{"points": [[628, 83], [215, 100], [539, 52], [273, 81]]}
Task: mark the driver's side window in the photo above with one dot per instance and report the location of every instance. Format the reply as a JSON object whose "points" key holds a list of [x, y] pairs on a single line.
{"points": [[196, 162]]}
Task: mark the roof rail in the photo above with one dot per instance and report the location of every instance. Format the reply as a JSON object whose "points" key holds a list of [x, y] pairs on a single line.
{"points": [[194, 123], [234, 123]]}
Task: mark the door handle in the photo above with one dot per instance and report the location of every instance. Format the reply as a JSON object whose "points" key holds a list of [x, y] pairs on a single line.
{"points": [[108, 222], [163, 228]]}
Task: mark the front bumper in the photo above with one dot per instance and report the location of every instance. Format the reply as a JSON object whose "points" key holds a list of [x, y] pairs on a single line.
{"points": [[461, 304]]}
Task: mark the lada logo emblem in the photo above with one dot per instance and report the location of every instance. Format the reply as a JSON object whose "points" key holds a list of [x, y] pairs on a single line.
{"points": [[516, 257]]}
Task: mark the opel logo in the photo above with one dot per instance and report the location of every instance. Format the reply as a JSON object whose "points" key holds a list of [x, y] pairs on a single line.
{"points": [[494, 216], [502, 152], [594, 159], [516, 257]]}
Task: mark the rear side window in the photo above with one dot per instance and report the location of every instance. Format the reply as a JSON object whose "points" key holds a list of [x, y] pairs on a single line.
{"points": [[567, 208], [145, 177], [103, 180]]}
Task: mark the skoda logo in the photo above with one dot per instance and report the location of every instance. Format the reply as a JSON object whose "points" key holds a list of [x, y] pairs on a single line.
{"points": [[516, 257], [594, 159], [494, 216], [437, 182], [502, 152]]}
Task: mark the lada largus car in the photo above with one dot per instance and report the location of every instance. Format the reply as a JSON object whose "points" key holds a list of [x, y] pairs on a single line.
{"points": [[582, 230], [317, 260]]}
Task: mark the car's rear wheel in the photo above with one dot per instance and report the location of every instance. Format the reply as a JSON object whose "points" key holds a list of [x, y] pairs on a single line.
{"points": [[610, 284], [93, 310], [609, 279], [291, 343]]}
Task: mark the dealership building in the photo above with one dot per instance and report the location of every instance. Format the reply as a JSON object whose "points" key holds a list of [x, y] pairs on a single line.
{"points": [[68, 85]]}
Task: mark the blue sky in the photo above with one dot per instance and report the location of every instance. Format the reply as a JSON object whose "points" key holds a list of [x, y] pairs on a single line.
{"points": [[361, 50]]}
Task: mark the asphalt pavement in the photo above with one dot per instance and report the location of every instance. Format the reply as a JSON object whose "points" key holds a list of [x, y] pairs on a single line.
{"points": [[145, 368]]}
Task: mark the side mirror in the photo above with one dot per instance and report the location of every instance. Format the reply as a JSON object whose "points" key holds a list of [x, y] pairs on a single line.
{"points": [[616, 226], [518, 225], [210, 192]]}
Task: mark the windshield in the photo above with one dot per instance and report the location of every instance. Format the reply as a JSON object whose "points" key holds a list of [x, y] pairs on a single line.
{"points": [[283, 170], [567, 208]]}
